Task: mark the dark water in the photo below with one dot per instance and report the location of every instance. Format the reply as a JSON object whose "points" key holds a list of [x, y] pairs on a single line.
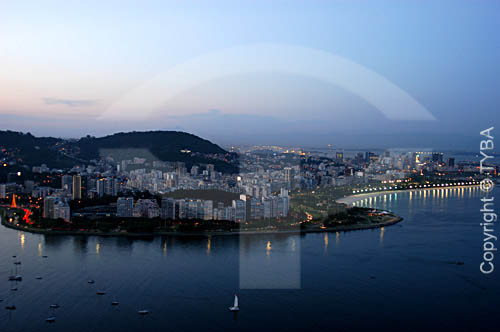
{"points": [[400, 278]]}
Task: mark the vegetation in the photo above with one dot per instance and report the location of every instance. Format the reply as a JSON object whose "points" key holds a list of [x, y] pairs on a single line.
{"points": [[319, 203], [163, 145], [26, 149]]}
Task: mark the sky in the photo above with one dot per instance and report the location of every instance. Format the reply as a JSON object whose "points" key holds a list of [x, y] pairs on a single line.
{"points": [[389, 74]]}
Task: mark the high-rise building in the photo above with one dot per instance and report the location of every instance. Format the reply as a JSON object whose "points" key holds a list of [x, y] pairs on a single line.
{"points": [[240, 209], [67, 183], [451, 162], [125, 207], [288, 174], [208, 208], [195, 170], [48, 207], [3, 190], [77, 187], [100, 187], [437, 157], [61, 211], [168, 210]]}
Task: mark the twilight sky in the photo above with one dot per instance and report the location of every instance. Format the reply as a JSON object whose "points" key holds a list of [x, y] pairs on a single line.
{"points": [[350, 73]]}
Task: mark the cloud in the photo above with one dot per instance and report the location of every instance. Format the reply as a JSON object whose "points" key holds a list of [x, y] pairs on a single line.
{"points": [[70, 102]]}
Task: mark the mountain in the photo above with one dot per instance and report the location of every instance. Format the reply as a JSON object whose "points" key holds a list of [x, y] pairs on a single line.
{"points": [[26, 149], [156, 145]]}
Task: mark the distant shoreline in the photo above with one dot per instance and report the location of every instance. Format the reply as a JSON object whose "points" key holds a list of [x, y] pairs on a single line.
{"points": [[349, 200], [391, 221]]}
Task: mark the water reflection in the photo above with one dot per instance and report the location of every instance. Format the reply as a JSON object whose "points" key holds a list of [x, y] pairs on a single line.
{"points": [[277, 267], [22, 239], [325, 240], [268, 248], [80, 244], [389, 200]]}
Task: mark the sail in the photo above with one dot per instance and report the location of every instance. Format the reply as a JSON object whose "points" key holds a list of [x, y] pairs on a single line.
{"points": [[236, 301]]}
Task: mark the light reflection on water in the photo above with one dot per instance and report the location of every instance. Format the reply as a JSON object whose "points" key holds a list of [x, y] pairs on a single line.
{"points": [[388, 200], [283, 281]]}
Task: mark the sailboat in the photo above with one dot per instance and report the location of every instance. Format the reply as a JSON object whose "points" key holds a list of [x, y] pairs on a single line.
{"points": [[235, 307], [12, 276], [17, 277]]}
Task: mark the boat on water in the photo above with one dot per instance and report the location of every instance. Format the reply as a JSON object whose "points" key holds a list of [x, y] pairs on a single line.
{"points": [[54, 306], [16, 276], [50, 320], [235, 306], [100, 293], [143, 312], [38, 278], [91, 281], [10, 307], [115, 303]]}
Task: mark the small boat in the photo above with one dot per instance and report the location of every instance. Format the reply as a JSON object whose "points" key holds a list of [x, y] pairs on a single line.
{"points": [[12, 278], [10, 307], [13, 289], [235, 306], [17, 263], [38, 278], [91, 281], [100, 293], [18, 278], [143, 312], [115, 303], [54, 306], [44, 256], [50, 320]]}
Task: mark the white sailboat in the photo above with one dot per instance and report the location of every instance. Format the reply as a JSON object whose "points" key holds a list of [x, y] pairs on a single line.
{"points": [[235, 307]]}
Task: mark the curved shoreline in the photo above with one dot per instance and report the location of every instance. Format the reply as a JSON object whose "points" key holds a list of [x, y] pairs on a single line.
{"points": [[349, 200], [392, 221]]}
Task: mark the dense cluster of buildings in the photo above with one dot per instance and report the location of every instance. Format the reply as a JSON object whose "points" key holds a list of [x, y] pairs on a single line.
{"points": [[244, 209], [266, 175]]}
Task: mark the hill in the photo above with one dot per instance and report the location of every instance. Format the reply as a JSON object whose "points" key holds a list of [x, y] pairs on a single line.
{"points": [[26, 149], [162, 145]]}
